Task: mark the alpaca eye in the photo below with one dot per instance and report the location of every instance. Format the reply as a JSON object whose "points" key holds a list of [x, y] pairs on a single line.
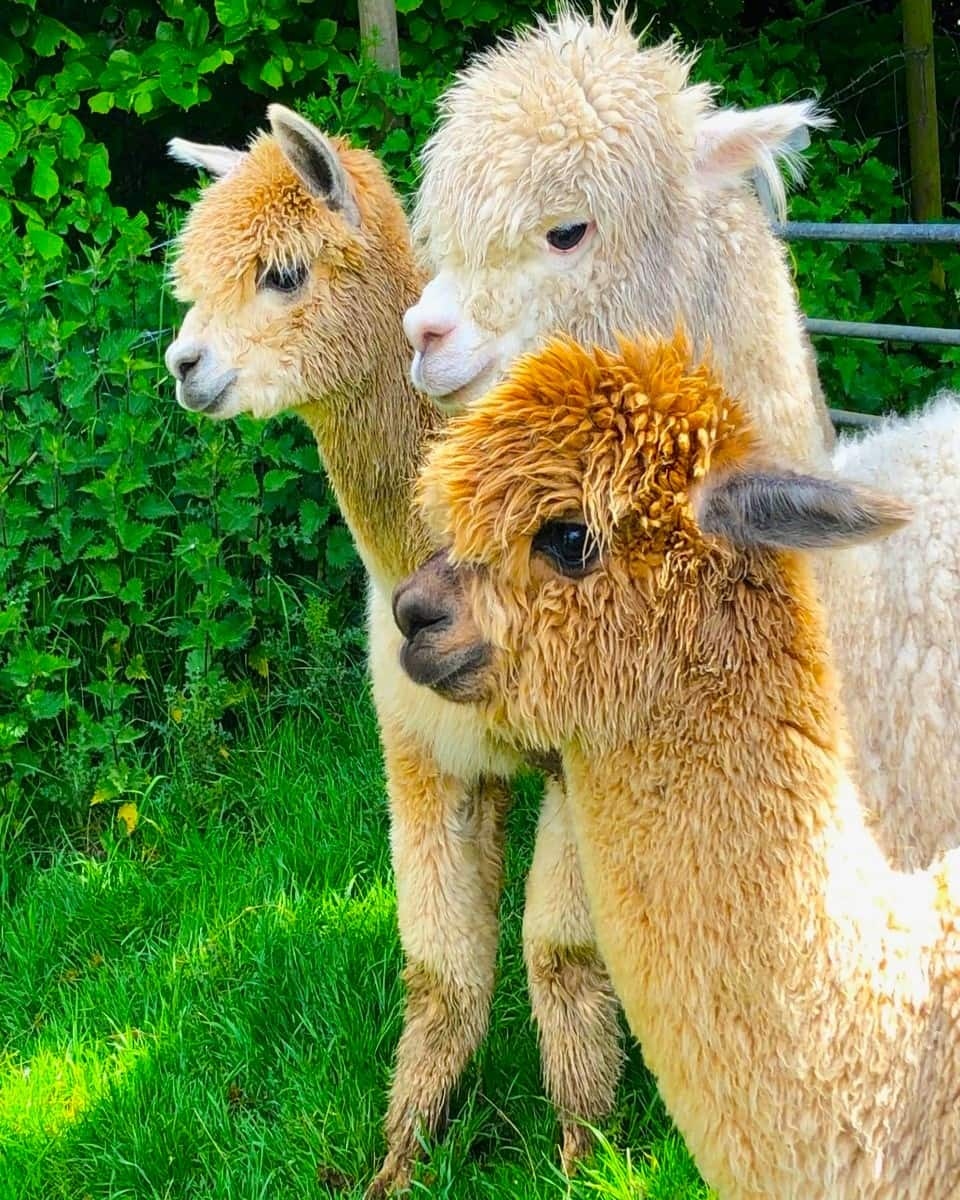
{"points": [[284, 278], [568, 546], [566, 237]]}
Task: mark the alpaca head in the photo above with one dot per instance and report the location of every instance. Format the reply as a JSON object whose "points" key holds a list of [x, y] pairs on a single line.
{"points": [[612, 535], [563, 192], [294, 262]]}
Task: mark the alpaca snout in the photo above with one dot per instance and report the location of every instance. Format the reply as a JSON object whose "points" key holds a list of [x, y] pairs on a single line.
{"points": [[441, 649], [450, 352], [202, 384]]}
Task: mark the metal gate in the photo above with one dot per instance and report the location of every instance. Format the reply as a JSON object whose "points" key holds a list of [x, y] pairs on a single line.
{"points": [[814, 231]]}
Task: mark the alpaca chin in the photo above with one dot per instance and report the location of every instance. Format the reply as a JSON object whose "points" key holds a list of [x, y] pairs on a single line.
{"points": [[458, 675]]}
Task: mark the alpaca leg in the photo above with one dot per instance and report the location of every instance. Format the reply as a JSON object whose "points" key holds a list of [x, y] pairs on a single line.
{"points": [[447, 845], [572, 999]]}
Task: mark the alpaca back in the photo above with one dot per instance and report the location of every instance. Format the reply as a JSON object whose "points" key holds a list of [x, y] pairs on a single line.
{"points": [[893, 609]]}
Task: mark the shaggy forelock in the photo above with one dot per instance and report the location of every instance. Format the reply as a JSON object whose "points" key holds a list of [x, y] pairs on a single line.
{"points": [[613, 437], [571, 110], [258, 216]]}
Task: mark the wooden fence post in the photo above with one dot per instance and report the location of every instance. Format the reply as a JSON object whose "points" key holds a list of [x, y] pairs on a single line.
{"points": [[925, 199], [378, 28]]}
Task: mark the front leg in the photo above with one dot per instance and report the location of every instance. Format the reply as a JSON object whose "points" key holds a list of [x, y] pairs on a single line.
{"points": [[447, 847], [571, 996]]}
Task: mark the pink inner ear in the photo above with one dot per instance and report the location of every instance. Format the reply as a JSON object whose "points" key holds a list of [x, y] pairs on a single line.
{"points": [[733, 142]]}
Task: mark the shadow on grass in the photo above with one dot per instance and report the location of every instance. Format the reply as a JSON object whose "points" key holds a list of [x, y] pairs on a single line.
{"points": [[211, 1009]]}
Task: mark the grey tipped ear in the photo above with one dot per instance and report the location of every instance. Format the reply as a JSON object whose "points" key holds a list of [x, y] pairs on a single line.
{"points": [[315, 160], [217, 160], [788, 511]]}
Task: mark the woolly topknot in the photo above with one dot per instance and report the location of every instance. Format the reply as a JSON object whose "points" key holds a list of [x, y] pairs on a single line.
{"points": [[563, 109], [606, 436]]}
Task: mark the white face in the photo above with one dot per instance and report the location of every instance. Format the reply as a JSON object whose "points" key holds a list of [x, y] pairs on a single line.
{"points": [[469, 325]]}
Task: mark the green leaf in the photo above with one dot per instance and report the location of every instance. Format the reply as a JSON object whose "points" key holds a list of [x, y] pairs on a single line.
{"points": [[278, 478], [47, 244], [98, 168], [101, 102], [196, 25], [232, 12], [72, 134], [133, 534], [29, 664], [133, 592], [50, 34], [313, 517], [272, 73], [45, 182], [42, 705], [325, 30], [6, 81], [340, 550]]}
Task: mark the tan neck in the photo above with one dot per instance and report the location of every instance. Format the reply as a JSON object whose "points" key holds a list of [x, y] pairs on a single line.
{"points": [[744, 911], [370, 437]]}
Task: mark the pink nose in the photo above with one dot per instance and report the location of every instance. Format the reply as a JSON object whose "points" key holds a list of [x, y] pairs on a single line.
{"points": [[423, 328]]}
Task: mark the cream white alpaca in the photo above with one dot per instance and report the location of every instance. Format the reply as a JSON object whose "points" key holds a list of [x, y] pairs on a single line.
{"points": [[579, 184], [624, 573]]}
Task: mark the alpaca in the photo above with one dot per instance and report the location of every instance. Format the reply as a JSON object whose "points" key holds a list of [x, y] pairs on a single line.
{"points": [[625, 567], [578, 183], [297, 265]]}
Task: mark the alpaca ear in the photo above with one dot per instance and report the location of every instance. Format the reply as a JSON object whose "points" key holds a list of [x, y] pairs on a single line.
{"points": [[787, 511], [216, 160], [732, 143], [315, 160]]}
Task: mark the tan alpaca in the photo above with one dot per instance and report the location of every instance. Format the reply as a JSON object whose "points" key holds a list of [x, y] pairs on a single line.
{"points": [[578, 183], [298, 268], [625, 574]]}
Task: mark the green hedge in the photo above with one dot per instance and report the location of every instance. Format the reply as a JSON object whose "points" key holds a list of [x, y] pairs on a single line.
{"points": [[161, 576]]}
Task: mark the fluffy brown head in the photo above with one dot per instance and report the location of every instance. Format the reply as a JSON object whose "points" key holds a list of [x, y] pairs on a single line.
{"points": [[612, 525], [297, 264]]}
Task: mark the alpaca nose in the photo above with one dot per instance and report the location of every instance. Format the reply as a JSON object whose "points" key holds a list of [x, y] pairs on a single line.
{"points": [[416, 609], [424, 327], [183, 358]]}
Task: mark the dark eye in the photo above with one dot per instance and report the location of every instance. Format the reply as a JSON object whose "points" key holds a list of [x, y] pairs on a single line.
{"points": [[568, 545], [565, 237], [284, 278]]}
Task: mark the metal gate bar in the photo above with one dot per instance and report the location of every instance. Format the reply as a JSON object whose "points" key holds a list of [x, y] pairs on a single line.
{"points": [[858, 231], [847, 231]]}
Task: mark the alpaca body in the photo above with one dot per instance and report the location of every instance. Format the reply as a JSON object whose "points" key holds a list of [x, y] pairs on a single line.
{"points": [[791, 993], [899, 689], [625, 562]]}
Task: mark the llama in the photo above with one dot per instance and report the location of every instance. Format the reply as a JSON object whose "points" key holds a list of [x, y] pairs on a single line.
{"points": [[624, 565], [613, 197], [297, 265]]}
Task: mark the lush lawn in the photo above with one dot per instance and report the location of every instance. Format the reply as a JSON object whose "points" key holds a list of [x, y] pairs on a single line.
{"points": [[209, 1009]]}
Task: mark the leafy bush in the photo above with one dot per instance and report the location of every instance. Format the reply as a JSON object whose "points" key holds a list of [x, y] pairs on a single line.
{"points": [[159, 573]]}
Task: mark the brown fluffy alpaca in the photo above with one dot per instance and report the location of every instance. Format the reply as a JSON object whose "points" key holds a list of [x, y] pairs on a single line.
{"points": [[298, 268], [626, 572]]}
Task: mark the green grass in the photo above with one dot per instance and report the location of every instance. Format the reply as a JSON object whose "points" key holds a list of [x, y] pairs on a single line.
{"points": [[209, 1008]]}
